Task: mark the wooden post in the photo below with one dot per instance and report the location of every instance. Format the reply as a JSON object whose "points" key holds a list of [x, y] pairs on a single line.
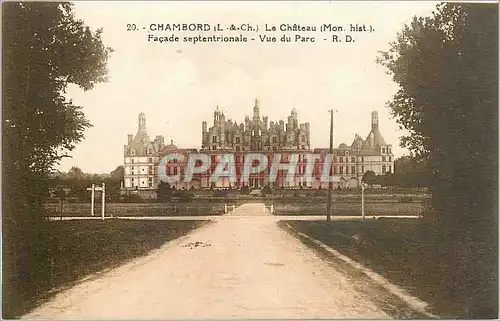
{"points": [[61, 200], [103, 199], [92, 200]]}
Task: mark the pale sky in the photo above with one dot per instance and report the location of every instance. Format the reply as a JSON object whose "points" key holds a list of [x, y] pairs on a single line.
{"points": [[178, 85]]}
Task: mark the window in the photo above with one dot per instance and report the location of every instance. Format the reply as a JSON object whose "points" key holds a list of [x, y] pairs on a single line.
{"points": [[341, 159], [353, 159], [175, 170], [213, 147], [150, 160], [390, 169], [362, 169], [132, 160], [383, 158], [353, 169], [237, 140], [214, 139], [383, 169], [362, 159], [390, 158], [275, 140], [383, 150], [341, 169]]}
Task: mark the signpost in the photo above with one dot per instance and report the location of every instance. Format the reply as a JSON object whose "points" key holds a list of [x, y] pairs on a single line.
{"points": [[103, 199], [93, 189]]}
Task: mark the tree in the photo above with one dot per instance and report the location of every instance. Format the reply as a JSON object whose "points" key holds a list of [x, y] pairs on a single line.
{"points": [[369, 177], [45, 48], [75, 173], [446, 66], [409, 171], [164, 191], [118, 173]]}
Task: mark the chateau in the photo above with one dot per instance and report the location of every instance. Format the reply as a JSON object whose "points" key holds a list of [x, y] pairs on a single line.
{"points": [[256, 135]]}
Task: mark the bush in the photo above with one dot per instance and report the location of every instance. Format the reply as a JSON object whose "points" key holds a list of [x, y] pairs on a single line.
{"points": [[267, 190], [132, 198], [220, 193], [185, 195], [406, 199], [245, 190]]}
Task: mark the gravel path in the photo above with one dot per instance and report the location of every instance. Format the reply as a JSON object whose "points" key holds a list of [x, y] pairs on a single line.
{"points": [[245, 267]]}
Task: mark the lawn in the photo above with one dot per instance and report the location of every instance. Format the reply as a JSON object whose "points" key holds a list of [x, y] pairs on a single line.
{"points": [[67, 251], [405, 251], [194, 208], [348, 208]]}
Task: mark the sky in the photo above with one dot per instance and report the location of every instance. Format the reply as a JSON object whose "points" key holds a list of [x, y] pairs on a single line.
{"points": [[178, 85]]}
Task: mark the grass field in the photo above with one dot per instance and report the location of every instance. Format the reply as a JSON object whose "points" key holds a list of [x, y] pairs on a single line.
{"points": [[139, 209], [67, 251], [407, 252], [348, 208]]}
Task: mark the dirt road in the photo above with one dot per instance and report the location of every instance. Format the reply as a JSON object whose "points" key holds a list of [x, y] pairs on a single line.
{"points": [[243, 266]]}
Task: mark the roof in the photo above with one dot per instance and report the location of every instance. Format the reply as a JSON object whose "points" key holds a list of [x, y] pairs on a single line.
{"points": [[140, 142], [374, 139]]}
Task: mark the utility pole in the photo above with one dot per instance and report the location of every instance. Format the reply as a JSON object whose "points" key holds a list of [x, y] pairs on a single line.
{"points": [[363, 200], [330, 184]]}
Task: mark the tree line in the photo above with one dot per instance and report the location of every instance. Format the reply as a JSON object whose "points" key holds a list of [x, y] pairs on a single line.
{"points": [[446, 66], [45, 49]]}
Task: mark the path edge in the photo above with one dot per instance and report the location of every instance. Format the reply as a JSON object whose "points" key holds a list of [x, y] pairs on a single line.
{"points": [[412, 301], [107, 272]]}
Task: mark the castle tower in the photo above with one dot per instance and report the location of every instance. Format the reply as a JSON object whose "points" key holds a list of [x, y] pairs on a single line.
{"points": [[374, 120], [256, 109], [142, 122], [216, 115]]}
